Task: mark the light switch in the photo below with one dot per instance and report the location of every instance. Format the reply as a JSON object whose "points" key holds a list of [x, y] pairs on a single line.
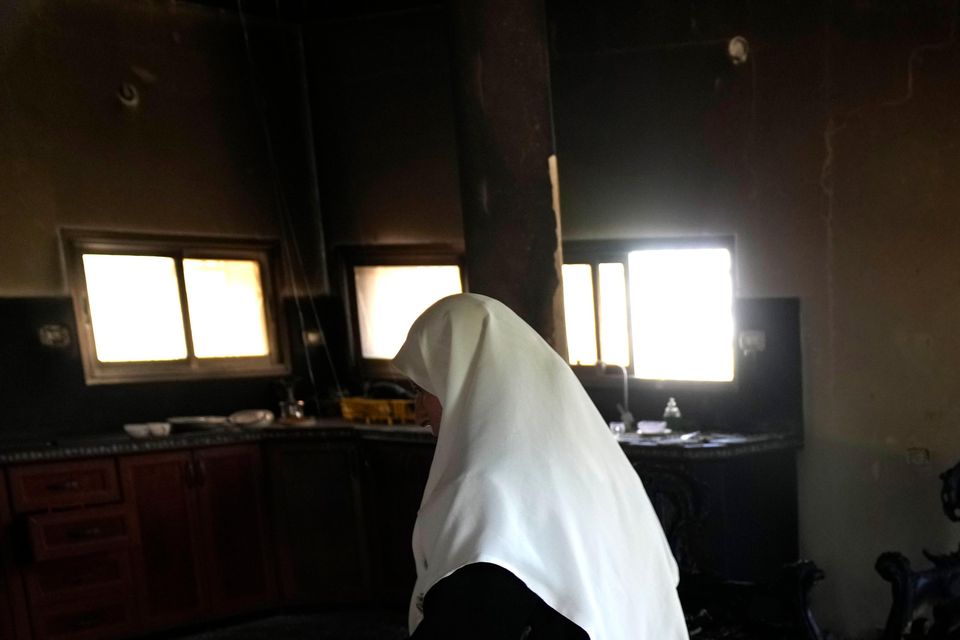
{"points": [[752, 341], [918, 456], [56, 336]]}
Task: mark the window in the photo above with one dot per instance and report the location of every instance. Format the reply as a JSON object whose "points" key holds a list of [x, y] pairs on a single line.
{"points": [[662, 309], [155, 308], [388, 288]]}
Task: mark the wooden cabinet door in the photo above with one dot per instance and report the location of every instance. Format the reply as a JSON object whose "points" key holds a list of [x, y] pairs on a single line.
{"points": [[14, 616], [6, 577], [396, 476], [167, 563], [318, 522], [233, 530]]}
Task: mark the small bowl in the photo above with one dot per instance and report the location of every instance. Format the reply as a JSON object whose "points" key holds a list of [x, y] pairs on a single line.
{"points": [[137, 430], [158, 429]]}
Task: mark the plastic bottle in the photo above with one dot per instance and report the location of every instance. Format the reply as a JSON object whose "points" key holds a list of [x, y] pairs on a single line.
{"points": [[671, 414]]}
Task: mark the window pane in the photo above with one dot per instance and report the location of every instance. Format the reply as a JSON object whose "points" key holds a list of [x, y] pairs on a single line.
{"points": [[578, 314], [614, 343], [134, 307], [681, 304], [389, 299], [227, 316]]}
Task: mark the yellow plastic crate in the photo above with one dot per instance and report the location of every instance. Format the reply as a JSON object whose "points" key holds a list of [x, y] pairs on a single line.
{"points": [[370, 410], [403, 411]]}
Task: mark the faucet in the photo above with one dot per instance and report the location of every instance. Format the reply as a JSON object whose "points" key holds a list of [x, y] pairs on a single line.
{"points": [[625, 416]]}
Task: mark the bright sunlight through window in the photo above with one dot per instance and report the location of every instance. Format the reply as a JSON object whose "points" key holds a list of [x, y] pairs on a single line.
{"points": [[227, 317], [681, 303], [134, 307], [578, 314], [614, 340], [390, 298]]}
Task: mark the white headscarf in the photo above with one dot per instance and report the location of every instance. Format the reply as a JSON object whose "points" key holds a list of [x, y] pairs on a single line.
{"points": [[527, 476]]}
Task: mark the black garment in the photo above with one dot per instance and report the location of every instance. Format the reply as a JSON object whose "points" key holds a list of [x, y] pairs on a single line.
{"points": [[483, 601]]}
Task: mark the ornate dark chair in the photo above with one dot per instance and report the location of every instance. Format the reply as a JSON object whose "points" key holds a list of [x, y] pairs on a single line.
{"points": [[718, 608], [934, 591], [778, 609]]}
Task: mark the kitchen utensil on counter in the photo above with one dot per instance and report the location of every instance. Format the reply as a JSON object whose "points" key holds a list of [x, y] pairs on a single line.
{"points": [[159, 429], [617, 429], [648, 427], [290, 407], [137, 430], [202, 422], [148, 429], [251, 419]]}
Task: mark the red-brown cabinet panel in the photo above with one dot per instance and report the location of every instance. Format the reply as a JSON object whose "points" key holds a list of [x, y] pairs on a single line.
{"points": [[37, 487], [80, 532], [59, 580], [318, 519], [233, 532], [167, 563], [13, 618], [101, 614], [396, 476]]}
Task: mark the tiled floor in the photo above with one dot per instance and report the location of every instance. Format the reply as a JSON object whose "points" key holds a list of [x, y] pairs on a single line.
{"points": [[351, 625]]}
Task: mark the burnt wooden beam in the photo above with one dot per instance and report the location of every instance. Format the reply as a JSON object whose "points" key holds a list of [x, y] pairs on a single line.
{"points": [[511, 221]]}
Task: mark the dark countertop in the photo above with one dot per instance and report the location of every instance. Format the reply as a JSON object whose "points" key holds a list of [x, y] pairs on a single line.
{"points": [[708, 445], [111, 444], [705, 446]]}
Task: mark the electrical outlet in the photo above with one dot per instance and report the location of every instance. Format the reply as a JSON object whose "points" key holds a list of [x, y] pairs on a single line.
{"points": [[752, 341], [918, 456], [56, 336]]}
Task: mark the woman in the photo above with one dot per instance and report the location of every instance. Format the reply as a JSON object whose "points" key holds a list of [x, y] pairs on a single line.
{"points": [[533, 524]]}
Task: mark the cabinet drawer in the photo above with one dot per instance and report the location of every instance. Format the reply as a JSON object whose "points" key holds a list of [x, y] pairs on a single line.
{"points": [[66, 484], [82, 532], [72, 577], [100, 615]]}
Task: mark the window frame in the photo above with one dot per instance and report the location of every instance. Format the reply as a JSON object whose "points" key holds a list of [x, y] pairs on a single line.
{"points": [[265, 252], [405, 255], [595, 252]]}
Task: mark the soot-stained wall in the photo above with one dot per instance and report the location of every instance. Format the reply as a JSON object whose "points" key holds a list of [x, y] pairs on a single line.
{"points": [[384, 127], [191, 158], [832, 157]]}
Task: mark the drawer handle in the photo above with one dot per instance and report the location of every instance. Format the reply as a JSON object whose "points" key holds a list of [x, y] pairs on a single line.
{"points": [[84, 534], [66, 485], [83, 577]]}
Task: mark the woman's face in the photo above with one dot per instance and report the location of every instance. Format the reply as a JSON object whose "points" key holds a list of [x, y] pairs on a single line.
{"points": [[427, 410]]}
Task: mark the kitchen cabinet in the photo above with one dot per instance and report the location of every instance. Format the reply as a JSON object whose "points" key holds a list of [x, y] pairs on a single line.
{"points": [[75, 561], [203, 549], [396, 476], [729, 517], [59, 485], [8, 580], [233, 529], [160, 489], [319, 521]]}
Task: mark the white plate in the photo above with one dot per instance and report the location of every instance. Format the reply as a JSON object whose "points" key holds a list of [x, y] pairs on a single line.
{"points": [[251, 419], [208, 422]]}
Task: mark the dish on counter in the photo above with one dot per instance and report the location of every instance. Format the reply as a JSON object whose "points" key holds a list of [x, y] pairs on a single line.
{"points": [[205, 422], [251, 419], [148, 429], [137, 430]]}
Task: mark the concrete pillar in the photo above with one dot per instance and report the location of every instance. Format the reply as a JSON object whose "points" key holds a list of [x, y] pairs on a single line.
{"points": [[511, 218]]}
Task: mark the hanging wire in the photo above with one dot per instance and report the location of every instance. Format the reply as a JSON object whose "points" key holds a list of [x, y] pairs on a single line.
{"points": [[287, 228], [916, 56]]}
